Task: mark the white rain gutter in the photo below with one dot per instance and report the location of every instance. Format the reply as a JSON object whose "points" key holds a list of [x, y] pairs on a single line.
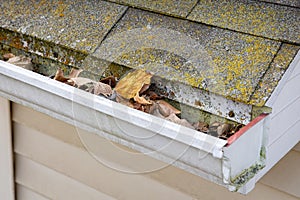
{"points": [[206, 156]]}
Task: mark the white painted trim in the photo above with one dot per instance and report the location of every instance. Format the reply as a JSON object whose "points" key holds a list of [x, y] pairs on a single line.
{"points": [[280, 148], [6, 157], [284, 126]]}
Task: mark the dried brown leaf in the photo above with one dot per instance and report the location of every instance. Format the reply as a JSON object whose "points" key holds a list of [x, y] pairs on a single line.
{"points": [[132, 83], [141, 107], [146, 108], [80, 81], [144, 88], [124, 101], [102, 88], [59, 76], [152, 95], [141, 100], [7, 56], [74, 73], [92, 86], [201, 126], [110, 80], [21, 61], [223, 129], [174, 118], [153, 110], [156, 113], [166, 109]]}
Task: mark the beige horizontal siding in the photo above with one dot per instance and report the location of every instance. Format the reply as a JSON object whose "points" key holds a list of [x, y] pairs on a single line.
{"points": [[77, 163], [205, 190], [52, 184], [24, 193], [45, 124], [55, 147], [297, 147], [285, 175]]}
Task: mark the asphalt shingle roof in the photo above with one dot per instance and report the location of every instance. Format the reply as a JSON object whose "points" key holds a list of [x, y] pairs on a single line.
{"points": [[236, 49], [170, 7], [258, 18], [223, 61]]}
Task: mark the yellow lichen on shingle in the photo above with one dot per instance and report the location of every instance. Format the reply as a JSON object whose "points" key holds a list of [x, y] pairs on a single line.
{"points": [[273, 75], [236, 74], [220, 58], [253, 17], [62, 22], [217, 60], [169, 7]]}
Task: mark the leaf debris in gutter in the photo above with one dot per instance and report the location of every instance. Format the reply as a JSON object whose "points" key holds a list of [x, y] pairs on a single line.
{"points": [[21, 61], [132, 90]]}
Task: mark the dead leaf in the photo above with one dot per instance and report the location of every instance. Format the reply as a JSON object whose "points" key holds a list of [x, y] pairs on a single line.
{"points": [[144, 108], [59, 76], [131, 85], [236, 128], [174, 118], [110, 80], [152, 95], [124, 101], [153, 110], [166, 109], [21, 61], [74, 73], [201, 126], [144, 88], [91, 86], [141, 100], [7, 56], [101, 88], [80, 81], [162, 109], [223, 129], [213, 129]]}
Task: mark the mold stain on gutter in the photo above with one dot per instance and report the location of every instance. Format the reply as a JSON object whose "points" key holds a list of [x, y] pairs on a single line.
{"points": [[247, 174]]}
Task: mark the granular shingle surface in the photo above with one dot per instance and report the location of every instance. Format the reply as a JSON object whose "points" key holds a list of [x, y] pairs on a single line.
{"points": [[258, 18], [293, 3], [80, 25], [221, 61], [272, 76], [238, 49], [179, 8]]}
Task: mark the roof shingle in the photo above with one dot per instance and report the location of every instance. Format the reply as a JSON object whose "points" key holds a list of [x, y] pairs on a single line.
{"points": [[231, 48], [258, 18], [79, 25], [179, 8], [220, 61]]}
